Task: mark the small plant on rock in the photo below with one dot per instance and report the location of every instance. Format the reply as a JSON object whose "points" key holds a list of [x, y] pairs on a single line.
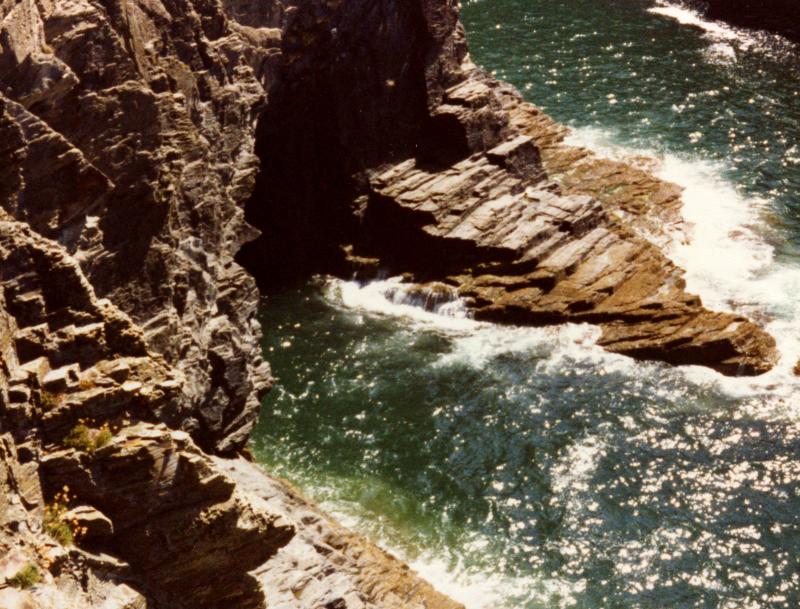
{"points": [[103, 436], [26, 577], [85, 438], [49, 400], [55, 525]]}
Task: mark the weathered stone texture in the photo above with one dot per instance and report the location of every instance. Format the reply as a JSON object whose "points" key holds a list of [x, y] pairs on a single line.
{"points": [[130, 139], [127, 135]]}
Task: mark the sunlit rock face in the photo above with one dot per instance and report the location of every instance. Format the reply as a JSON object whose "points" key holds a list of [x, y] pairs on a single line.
{"points": [[132, 136], [128, 137]]}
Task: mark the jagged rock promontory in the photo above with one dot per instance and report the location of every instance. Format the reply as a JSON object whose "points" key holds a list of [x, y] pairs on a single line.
{"points": [[425, 163], [135, 136]]}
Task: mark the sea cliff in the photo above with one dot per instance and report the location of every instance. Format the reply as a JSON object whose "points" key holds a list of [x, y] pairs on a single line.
{"points": [[157, 160]]}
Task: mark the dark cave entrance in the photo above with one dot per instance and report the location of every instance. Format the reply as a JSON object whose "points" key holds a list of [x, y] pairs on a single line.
{"points": [[351, 94]]}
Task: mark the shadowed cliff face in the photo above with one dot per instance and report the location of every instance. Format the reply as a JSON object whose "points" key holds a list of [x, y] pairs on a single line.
{"points": [[354, 90], [779, 16]]}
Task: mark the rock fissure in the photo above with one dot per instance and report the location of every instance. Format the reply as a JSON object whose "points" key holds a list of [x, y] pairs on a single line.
{"points": [[143, 146]]}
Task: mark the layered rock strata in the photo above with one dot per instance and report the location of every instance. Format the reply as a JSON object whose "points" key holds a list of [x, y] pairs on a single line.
{"points": [[578, 246], [131, 372], [129, 342]]}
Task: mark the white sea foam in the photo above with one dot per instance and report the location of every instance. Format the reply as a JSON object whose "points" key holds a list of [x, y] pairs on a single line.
{"points": [[728, 260], [389, 297], [724, 37], [686, 16], [476, 343], [725, 40]]}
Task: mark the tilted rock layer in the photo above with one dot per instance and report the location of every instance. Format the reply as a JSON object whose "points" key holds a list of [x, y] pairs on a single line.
{"points": [[133, 136], [423, 162]]}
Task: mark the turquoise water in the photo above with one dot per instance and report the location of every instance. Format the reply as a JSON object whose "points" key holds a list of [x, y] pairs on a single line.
{"points": [[729, 96], [526, 468]]}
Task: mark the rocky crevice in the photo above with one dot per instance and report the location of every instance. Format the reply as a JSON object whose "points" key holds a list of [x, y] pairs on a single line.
{"points": [[529, 230], [352, 90], [131, 137]]}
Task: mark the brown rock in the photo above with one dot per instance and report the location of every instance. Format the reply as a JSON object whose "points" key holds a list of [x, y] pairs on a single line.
{"points": [[169, 506], [524, 254], [92, 523]]}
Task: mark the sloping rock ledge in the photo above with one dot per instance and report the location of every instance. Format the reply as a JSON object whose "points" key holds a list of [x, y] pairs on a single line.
{"points": [[131, 136]]}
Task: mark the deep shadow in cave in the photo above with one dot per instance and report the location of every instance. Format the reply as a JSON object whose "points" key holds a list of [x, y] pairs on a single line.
{"points": [[344, 101]]}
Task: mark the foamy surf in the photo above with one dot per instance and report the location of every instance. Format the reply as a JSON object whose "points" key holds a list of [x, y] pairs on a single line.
{"points": [[723, 247], [687, 16], [477, 343], [493, 591], [392, 297], [473, 587]]}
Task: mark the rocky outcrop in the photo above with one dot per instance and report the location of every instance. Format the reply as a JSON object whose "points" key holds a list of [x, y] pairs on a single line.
{"points": [[778, 16], [173, 513], [576, 247], [127, 135], [424, 163], [130, 367], [324, 564]]}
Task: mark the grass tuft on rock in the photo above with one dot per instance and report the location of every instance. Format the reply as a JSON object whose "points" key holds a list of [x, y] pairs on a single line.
{"points": [[84, 438], [25, 578], [54, 523]]}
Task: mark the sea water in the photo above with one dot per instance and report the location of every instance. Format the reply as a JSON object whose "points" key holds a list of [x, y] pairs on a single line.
{"points": [[527, 468]]}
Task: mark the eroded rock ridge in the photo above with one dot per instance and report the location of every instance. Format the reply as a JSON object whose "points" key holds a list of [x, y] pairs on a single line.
{"points": [[133, 135]]}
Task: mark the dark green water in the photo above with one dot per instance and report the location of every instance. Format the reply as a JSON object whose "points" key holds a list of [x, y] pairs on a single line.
{"points": [[655, 83], [526, 468]]}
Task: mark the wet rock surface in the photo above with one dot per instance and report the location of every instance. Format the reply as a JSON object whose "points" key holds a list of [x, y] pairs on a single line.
{"points": [[131, 136]]}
